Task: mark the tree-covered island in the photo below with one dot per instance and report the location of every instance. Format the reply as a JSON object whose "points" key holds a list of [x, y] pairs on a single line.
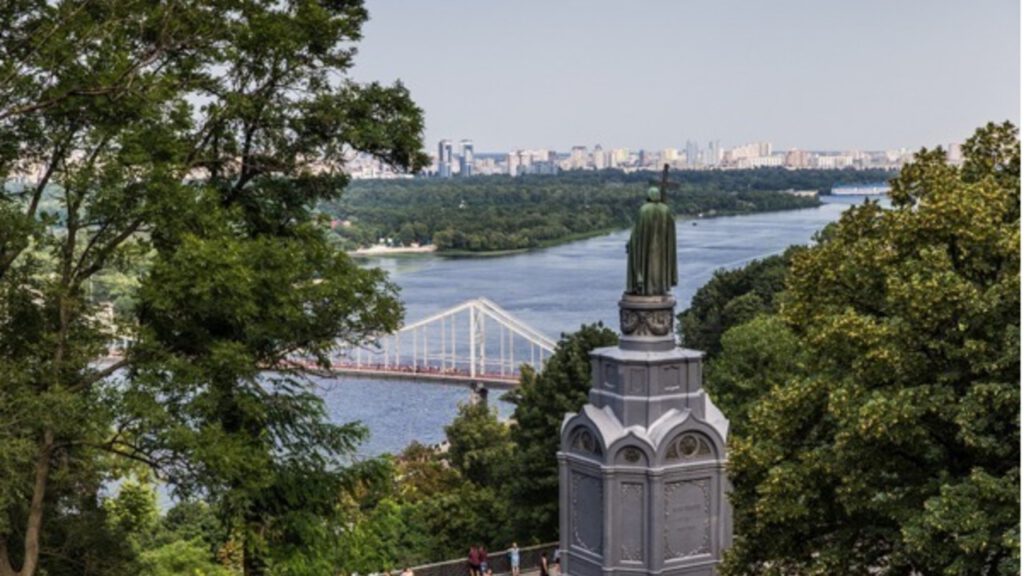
{"points": [[498, 213]]}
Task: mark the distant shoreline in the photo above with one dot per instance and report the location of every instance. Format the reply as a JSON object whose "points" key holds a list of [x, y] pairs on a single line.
{"points": [[554, 242]]}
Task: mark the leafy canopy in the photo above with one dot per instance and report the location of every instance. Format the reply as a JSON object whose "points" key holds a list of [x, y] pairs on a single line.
{"points": [[167, 157], [731, 298], [893, 449]]}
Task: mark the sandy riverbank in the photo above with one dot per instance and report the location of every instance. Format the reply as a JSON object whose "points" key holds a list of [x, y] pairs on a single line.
{"points": [[391, 250]]}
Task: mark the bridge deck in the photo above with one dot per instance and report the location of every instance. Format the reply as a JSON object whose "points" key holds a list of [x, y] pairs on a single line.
{"points": [[497, 380]]}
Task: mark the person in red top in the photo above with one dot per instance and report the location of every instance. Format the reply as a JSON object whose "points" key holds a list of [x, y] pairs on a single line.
{"points": [[474, 561], [483, 559]]}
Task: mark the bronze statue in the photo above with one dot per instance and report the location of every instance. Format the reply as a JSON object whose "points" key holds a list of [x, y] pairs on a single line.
{"points": [[652, 268]]}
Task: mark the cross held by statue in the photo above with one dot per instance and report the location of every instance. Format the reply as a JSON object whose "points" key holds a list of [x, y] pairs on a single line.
{"points": [[664, 184]]}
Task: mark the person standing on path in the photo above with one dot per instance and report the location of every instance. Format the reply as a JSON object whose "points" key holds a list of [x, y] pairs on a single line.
{"points": [[474, 561], [483, 559], [544, 564], [513, 559]]}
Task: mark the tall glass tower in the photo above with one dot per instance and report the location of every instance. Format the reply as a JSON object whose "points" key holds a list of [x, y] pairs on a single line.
{"points": [[466, 160], [444, 158]]}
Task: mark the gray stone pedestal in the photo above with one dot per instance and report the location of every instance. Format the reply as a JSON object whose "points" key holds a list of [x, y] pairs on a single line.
{"points": [[642, 466]]}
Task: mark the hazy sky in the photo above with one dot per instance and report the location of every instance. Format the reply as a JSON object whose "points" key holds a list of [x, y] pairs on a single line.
{"points": [[817, 74]]}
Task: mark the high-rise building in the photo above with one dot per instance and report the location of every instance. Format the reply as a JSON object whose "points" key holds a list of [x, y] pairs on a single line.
{"points": [[714, 157], [750, 152], [692, 154], [618, 157], [578, 157], [521, 161], [600, 159], [444, 158], [466, 159], [797, 159]]}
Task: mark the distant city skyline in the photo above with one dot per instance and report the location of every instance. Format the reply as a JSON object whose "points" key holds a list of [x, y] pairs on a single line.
{"points": [[463, 160], [867, 75]]}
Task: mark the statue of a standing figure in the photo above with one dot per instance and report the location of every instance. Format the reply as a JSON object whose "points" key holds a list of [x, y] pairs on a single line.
{"points": [[652, 249]]}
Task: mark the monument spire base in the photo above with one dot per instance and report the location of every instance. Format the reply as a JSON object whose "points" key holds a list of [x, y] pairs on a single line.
{"points": [[647, 322], [642, 475]]}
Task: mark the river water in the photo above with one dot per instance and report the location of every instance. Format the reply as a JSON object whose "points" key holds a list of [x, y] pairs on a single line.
{"points": [[554, 290]]}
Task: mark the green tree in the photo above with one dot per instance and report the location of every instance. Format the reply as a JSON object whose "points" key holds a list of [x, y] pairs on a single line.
{"points": [[755, 357], [479, 446], [424, 473], [185, 142], [133, 511], [454, 520], [434, 504], [896, 450], [731, 298], [542, 401], [454, 498], [372, 544], [181, 557]]}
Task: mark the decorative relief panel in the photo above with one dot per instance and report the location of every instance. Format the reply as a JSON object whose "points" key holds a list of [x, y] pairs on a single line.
{"points": [[687, 518], [583, 441], [632, 455], [631, 533], [587, 512], [637, 381], [689, 446], [639, 322]]}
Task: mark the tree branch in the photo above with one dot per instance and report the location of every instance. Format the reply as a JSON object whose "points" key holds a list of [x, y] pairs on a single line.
{"points": [[80, 275], [135, 455], [58, 153], [33, 529], [9, 254], [95, 377]]}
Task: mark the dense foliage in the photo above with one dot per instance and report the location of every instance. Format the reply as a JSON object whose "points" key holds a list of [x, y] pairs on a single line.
{"points": [[884, 398], [427, 505], [542, 400], [731, 298], [489, 213], [184, 144]]}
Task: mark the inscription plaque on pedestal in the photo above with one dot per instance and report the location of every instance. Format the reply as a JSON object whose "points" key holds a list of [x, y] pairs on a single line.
{"points": [[588, 500], [687, 518], [631, 497]]}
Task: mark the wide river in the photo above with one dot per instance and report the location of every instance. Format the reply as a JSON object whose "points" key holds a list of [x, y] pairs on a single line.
{"points": [[554, 290]]}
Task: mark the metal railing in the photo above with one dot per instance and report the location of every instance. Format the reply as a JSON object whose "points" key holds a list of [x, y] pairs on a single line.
{"points": [[497, 561]]}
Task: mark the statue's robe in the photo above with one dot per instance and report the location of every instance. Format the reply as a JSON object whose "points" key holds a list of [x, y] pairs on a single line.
{"points": [[652, 268]]}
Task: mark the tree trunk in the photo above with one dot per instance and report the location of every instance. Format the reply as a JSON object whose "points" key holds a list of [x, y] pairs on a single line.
{"points": [[5, 561], [33, 530], [253, 563]]}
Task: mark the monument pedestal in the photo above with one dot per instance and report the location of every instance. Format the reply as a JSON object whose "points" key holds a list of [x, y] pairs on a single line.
{"points": [[642, 467]]}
